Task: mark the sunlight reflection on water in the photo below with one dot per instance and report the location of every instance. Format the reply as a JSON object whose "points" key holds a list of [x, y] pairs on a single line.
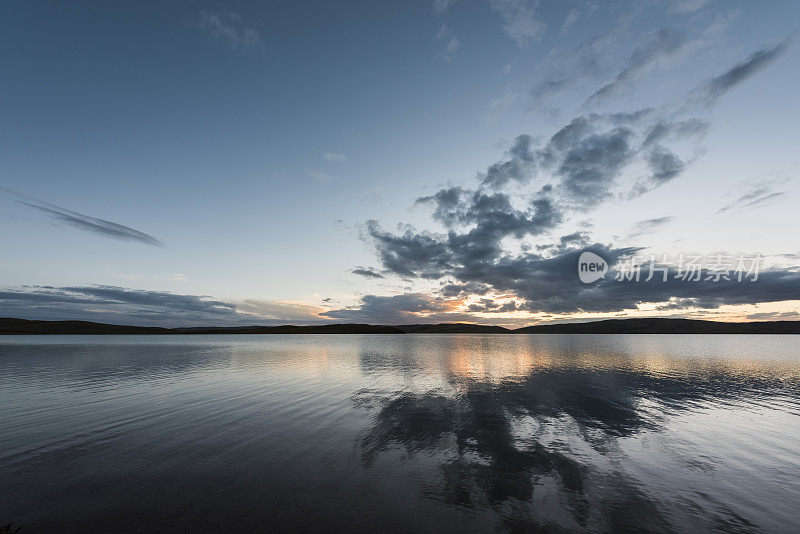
{"points": [[398, 433]]}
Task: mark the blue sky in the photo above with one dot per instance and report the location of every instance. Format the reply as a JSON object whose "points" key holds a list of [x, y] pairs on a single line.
{"points": [[224, 163]]}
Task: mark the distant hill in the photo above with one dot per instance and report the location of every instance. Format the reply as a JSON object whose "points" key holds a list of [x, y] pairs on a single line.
{"points": [[452, 328], [609, 326], [24, 326], [664, 326]]}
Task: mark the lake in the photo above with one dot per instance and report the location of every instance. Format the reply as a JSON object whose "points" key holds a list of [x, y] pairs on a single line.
{"points": [[400, 433]]}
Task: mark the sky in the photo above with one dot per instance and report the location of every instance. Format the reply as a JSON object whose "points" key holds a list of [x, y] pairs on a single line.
{"points": [[222, 163]]}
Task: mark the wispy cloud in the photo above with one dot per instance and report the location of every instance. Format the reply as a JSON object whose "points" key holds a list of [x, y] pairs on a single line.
{"points": [[367, 272], [441, 6], [689, 6], [280, 311], [399, 309], [229, 29], [115, 304], [452, 44], [654, 47], [719, 85], [572, 18], [758, 197], [318, 175], [521, 22], [334, 156], [649, 226], [500, 105], [85, 222], [120, 305]]}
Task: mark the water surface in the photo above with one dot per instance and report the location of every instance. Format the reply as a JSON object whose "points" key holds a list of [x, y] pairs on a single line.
{"points": [[405, 433]]}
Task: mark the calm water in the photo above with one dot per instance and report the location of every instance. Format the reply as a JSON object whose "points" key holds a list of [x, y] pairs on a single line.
{"points": [[409, 433]]}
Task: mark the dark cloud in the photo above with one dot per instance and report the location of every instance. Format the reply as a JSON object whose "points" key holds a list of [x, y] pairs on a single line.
{"points": [[367, 272], [664, 165], [576, 169], [395, 309], [566, 243], [667, 130], [491, 306], [97, 226], [470, 288], [659, 44], [584, 158], [551, 285], [117, 305], [719, 85], [549, 88], [583, 161], [589, 154], [486, 218], [519, 166], [590, 166], [85, 222]]}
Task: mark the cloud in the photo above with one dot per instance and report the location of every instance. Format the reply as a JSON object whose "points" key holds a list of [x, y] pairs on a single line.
{"points": [[568, 68], [367, 272], [334, 156], [452, 44], [500, 105], [85, 222], [282, 312], [318, 175], [460, 290], [774, 316], [119, 305], [664, 165], [388, 309], [478, 222], [491, 306], [228, 29], [518, 167], [758, 197], [116, 305], [584, 159], [591, 163], [521, 22], [542, 284], [666, 130], [689, 6], [657, 45], [441, 6], [571, 18], [98, 226], [485, 248], [550, 87], [648, 226], [710, 92]]}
